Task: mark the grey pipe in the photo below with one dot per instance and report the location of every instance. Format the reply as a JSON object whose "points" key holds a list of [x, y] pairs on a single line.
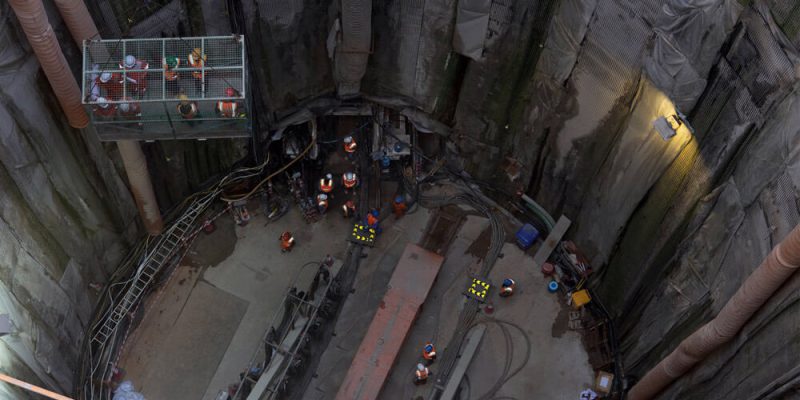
{"points": [[82, 27], [32, 17], [136, 168], [774, 271]]}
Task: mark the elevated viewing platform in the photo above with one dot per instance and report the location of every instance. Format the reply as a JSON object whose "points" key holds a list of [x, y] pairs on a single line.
{"points": [[167, 88]]}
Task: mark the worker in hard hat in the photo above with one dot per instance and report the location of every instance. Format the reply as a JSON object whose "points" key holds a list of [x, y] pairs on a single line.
{"points": [[129, 110], [326, 184], [421, 374], [349, 180], [507, 289], [229, 108], [349, 147], [429, 353], [137, 81], [588, 394], [110, 84], [399, 206], [322, 203], [170, 65], [197, 60], [287, 241], [187, 109], [349, 208], [372, 221], [104, 109]]}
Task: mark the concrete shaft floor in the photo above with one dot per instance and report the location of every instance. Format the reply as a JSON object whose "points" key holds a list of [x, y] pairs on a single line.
{"points": [[557, 366], [201, 331]]}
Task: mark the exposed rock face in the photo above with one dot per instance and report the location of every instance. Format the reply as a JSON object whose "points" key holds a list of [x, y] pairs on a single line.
{"points": [[66, 218], [567, 89]]}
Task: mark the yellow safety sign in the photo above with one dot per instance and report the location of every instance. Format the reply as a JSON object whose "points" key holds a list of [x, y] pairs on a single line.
{"points": [[478, 289], [363, 235]]}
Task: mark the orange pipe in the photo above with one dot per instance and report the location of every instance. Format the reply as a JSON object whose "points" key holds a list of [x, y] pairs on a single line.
{"points": [[78, 20], [33, 388], [32, 17], [777, 268]]}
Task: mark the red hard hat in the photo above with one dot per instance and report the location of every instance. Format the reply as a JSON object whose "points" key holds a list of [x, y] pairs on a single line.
{"points": [[229, 92]]}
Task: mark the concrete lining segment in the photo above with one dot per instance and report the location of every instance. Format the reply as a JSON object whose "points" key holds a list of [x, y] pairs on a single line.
{"points": [[412, 280]]}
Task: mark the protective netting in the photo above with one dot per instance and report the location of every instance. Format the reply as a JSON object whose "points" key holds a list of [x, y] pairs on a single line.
{"points": [[166, 88]]}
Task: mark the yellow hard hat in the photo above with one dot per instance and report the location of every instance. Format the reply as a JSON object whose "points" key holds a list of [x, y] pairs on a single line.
{"points": [[183, 97]]}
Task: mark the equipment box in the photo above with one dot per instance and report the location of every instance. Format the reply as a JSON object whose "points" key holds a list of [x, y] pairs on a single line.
{"points": [[526, 236]]}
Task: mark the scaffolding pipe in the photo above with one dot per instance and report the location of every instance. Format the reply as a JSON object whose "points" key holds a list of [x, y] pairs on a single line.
{"points": [[776, 269], [136, 168], [37, 28], [82, 27]]}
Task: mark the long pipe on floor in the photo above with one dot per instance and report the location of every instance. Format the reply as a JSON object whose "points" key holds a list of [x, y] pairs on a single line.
{"points": [[776, 269], [82, 27], [32, 17]]}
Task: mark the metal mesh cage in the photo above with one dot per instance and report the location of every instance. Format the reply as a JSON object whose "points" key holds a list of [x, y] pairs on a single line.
{"points": [[166, 88]]}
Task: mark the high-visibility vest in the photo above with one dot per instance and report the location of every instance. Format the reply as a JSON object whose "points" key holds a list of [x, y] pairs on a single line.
{"points": [[197, 63], [371, 220], [112, 88], [349, 183], [170, 74], [325, 185], [188, 111], [350, 147], [422, 375], [429, 355], [106, 111], [136, 78], [227, 108]]}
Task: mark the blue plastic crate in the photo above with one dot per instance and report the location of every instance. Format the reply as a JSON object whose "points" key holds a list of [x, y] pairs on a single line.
{"points": [[526, 236]]}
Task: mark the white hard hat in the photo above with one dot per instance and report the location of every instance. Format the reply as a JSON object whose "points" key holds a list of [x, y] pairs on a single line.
{"points": [[348, 139], [102, 102], [420, 367], [105, 77], [323, 196], [328, 176], [124, 107], [130, 61]]}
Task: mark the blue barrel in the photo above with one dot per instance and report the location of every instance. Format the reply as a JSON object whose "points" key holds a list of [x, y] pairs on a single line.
{"points": [[526, 236], [552, 287]]}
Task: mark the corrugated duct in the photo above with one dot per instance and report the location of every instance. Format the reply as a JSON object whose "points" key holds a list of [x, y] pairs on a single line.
{"points": [[352, 53], [42, 39], [776, 269]]}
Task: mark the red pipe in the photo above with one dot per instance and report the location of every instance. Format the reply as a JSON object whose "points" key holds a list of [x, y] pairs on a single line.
{"points": [[776, 269], [32, 17]]}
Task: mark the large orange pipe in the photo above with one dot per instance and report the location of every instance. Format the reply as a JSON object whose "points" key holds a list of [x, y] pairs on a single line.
{"points": [[78, 20], [82, 27], [32, 17], [776, 269]]}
